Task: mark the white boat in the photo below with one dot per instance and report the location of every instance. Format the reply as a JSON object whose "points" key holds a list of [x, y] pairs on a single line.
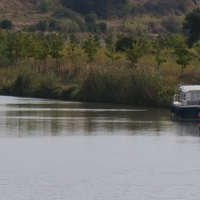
{"points": [[186, 103]]}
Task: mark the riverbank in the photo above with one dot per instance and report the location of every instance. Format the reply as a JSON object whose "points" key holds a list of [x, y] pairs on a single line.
{"points": [[137, 87]]}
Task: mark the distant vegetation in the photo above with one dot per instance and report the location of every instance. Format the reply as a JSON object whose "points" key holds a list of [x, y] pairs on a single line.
{"points": [[115, 51], [122, 16]]}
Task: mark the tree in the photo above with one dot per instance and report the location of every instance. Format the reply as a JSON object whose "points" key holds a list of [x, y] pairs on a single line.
{"points": [[43, 48], [138, 49], [90, 21], [72, 48], [103, 8], [158, 47], [110, 45], [124, 42], [182, 52], [56, 45], [45, 5], [192, 24], [134, 53], [6, 24], [91, 46], [197, 48], [15, 47], [3, 54]]}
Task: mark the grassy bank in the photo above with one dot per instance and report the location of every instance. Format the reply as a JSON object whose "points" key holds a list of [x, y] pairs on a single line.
{"points": [[138, 87], [138, 84]]}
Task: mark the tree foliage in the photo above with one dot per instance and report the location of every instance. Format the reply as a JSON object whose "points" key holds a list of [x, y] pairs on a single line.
{"points": [[192, 24], [110, 45], [103, 8], [158, 46], [182, 52], [6, 24], [45, 5], [91, 46], [72, 48]]}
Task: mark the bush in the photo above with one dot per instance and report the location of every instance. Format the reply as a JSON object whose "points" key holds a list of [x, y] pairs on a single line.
{"points": [[172, 25], [30, 83], [47, 84], [69, 26], [26, 83], [90, 21], [45, 5], [136, 87], [43, 25], [101, 27], [6, 24], [61, 12]]}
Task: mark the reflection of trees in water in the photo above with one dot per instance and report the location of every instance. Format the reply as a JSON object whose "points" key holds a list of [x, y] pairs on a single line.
{"points": [[187, 128], [82, 119]]}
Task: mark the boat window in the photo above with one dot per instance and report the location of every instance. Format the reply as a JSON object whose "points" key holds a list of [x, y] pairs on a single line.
{"points": [[189, 96], [195, 96], [182, 96]]}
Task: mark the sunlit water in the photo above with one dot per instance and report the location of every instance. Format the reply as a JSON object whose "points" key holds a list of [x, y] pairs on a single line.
{"points": [[54, 150]]}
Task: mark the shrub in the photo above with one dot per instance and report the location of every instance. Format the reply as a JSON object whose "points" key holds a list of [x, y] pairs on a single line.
{"points": [[43, 25], [45, 5], [26, 83], [69, 26], [6, 24], [61, 12], [90, 21], [47, 84], [101, 27], [137, 87]]}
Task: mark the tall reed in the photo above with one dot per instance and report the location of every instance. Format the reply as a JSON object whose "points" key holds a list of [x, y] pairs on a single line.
{"points": [[140, 86]]}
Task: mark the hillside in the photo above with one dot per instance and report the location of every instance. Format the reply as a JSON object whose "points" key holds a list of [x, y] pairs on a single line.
{"points": [[141, 16], [17, 5]]}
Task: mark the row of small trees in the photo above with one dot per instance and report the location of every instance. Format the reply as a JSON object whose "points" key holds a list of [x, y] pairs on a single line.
{"points": [[135, 49], [18, 46]]}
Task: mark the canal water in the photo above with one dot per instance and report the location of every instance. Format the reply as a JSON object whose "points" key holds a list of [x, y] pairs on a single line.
{"points": [[55, 150]]}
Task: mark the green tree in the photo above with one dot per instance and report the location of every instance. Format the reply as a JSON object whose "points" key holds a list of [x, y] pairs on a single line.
{"points": [[91, 45], [56, 47], [15, 47], [182, 52], [192, 24], [138, 49], [45, 5], [3, 54], [72, 50], [90, 21], [110, 45], [43, 25], [197, 48], [6, 24], [134, 54], [158, 45], [43, 48]]}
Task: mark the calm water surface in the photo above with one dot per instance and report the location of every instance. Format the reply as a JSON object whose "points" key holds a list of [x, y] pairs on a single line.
{"points": [[54, 150]]}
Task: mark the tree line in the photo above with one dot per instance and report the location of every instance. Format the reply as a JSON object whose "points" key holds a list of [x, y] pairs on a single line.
{"points": [[19, 46], [103, 8]]}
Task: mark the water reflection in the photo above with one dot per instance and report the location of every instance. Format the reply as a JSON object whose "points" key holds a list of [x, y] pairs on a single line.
{"points": [[22, 117], [187, 128]]}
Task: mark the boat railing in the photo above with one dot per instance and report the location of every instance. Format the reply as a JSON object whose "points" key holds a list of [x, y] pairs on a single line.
{"points": [[193, 103], [176, 98]]}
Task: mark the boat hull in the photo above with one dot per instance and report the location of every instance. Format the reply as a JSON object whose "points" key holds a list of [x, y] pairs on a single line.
{"points": [[183, 112]]}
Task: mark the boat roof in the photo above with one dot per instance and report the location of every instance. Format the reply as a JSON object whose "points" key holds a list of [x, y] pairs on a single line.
{"points": [[187, 88]]}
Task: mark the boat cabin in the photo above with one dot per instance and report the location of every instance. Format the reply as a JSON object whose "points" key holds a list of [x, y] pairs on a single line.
{"points": [[188, 95]]}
